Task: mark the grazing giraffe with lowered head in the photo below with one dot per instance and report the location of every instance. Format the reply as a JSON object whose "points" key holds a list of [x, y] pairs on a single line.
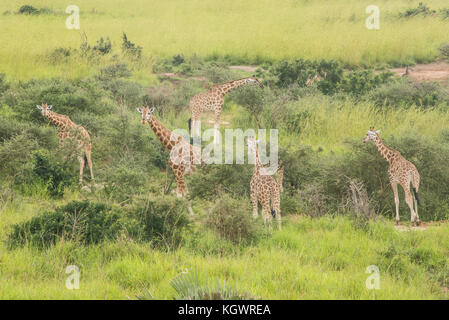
{"points": [[213, 100], [183, 156], [401, 172], [69, 130], [265, 188]]}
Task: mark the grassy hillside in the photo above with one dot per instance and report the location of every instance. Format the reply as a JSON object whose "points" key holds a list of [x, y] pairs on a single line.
{"points": [[246, 32]]}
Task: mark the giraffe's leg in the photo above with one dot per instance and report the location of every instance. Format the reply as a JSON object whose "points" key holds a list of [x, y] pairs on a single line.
{"points": [[409, 201], [277, 207], [179, 186], [266, 212], [415, 185], [217, 125], [89, 162], [185, 192], [82, 163], [417, 221], [196, 128], [254, 202], [394, 186]]}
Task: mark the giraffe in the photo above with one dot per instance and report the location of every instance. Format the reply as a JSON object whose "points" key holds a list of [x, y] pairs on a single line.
{"points": [[400, 171], [70, 130], [181, 161], [265, 189], [213, 100], [312, 80]]}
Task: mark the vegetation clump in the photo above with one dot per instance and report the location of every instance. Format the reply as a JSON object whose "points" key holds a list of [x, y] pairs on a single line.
{"points": [[83, 222]]}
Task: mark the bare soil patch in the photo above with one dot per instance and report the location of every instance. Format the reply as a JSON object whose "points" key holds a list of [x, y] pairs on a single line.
{"points": [[431, 72]]}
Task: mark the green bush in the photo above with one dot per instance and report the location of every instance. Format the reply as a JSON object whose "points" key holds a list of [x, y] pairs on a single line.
{"points": [[444, 49], [333, 78], [124, 181], [406, 93], [3, 84], [103, 46], [67, 96], [212, 179], [80, 221], [231, 219], [131, 49], [160, 220], [16, 156], [422, 10], [189, 286], [28, 9], [55, 175]]}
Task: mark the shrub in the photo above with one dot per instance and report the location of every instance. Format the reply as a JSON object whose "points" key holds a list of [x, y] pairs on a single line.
{"points": [[213, 179], [444, 49], [189, 286], [422, 9], [332, 76], [3, 84], [103, 46], [178, 59], [16, 156], [55, 175], [116, 70], [124, 181], [360, 82], [231, 219], [59, 55], [67, 97], [28, 9], [405, 93], [161, 220], [251, 98], [445, 13], [80, 221], [130, 49]]}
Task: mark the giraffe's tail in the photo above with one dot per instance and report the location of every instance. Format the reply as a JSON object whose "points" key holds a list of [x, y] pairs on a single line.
{"points": [[273, 213], [189, 122], [415, 193]]}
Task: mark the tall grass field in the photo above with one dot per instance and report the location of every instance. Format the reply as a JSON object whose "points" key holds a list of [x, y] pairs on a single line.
{"points": [[126, 235]]}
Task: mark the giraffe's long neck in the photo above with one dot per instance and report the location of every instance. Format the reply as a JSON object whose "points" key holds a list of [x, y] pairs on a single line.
{"points": [[161, 132], [386, 152], [227, 87], [62, 121], [257, 163]]}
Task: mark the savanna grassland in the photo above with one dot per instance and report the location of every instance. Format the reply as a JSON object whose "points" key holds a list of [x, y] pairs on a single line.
{"points": [[128, 233]]}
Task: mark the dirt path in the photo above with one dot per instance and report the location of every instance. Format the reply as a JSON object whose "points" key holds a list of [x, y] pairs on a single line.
{"points": [[430, 72]]}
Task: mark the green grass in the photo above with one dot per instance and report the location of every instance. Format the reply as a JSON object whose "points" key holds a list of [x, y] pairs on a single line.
{"points": [[249, 31], [323, 258]]}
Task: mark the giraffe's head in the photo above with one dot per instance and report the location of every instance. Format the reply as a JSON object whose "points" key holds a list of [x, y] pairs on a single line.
{"points": [[252, 144], [45, 109], [254, 80], [146, 113], [371, 135]]}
